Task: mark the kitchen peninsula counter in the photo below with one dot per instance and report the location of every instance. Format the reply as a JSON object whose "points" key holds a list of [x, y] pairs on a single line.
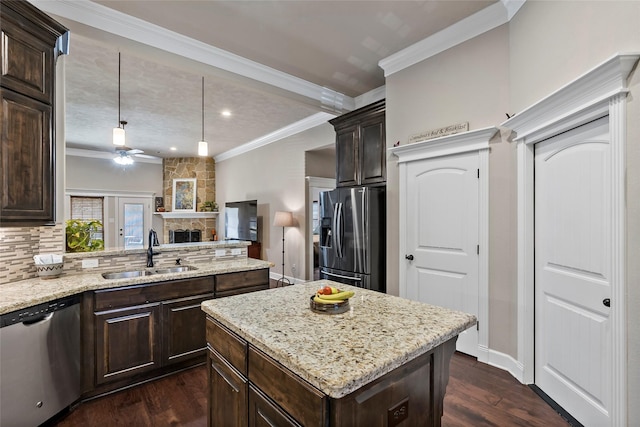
{"points": [[25, 293], [346, 358]]}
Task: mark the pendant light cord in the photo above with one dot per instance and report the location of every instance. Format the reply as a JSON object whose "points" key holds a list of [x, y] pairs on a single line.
{"points": [[202, 108], [119, 68]]}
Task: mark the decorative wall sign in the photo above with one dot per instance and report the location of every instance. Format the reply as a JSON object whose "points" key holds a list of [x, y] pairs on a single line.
{"points": [[437, 133], [184, 195]]}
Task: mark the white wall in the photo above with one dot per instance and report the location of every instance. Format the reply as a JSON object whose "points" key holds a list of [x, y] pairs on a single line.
{"points": [[107, 175], [547, 45], [468, 83], [552, 43], [275, 176]]}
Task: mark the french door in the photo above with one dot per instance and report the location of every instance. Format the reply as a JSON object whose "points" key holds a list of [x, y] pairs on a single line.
{"points": [[134, 221]]}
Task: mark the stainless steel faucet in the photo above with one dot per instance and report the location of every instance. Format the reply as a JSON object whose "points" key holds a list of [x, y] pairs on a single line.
{"points": [[153, 241]]}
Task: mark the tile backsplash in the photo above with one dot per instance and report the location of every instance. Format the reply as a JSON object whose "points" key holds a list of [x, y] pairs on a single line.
{"points": [[18, 245]]}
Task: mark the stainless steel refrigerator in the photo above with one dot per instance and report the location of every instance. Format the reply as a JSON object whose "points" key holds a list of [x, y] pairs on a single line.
{"points": [[352, 236]]}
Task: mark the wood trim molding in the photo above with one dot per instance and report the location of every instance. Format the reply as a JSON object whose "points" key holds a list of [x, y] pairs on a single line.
{"points": [[581, 101], [598, 93], [450, 145]]}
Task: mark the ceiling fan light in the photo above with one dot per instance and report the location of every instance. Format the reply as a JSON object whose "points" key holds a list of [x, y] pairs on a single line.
{"points": [[118, 136], [203, 148], [123, 160]]}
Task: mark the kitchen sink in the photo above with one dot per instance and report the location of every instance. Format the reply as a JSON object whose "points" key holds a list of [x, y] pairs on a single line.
{"points": [[140, 273], [126, 274], [176, 269]]}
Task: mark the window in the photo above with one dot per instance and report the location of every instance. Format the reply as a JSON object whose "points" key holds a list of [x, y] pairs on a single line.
{"points": [[89, 208]]}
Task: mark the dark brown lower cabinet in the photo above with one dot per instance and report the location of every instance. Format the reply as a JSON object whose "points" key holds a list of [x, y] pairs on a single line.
{"points": [[135, 333], [410, 395], [138, 332], [183, 329], [227, 393], [127, 342]]}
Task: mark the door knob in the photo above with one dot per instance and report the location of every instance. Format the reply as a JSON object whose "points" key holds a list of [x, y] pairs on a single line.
{"points": [[409, 257], [606, 302]]}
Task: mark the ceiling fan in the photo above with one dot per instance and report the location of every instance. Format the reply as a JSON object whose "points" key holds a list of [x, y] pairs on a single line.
{"points": [[124, 155]]}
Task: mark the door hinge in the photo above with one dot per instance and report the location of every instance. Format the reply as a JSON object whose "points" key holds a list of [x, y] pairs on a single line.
{"points": [[478, 173], [478, 326], [477, 249]]}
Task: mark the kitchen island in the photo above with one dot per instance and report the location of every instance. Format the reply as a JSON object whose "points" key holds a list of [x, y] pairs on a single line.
{"points": [[384, 362]]}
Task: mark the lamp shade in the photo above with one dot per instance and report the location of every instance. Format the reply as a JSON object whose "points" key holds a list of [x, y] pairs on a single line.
{"points": [[283, 219], [118, 136], [203, 148]]}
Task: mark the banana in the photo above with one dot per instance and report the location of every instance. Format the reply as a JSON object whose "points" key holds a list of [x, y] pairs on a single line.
{"points": [[326, 301], [339, 296], [334, 290]]}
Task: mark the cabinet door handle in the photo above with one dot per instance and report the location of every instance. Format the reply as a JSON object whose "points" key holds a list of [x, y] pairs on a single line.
{"points": [[606, 302], [409, 257]]}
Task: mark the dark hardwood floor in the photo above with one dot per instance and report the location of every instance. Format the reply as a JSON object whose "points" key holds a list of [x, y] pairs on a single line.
{"points": [[477, 395]]}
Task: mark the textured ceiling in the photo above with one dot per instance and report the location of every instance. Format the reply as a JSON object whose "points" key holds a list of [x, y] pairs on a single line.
{"points": [[333, 44]]}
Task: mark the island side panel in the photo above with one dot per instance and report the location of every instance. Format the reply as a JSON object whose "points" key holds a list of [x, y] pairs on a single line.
{"points": [[412, 394]]}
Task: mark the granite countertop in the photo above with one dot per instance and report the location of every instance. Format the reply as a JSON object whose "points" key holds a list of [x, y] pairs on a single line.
{"points": [[218, 244], [337, 353], [26, 293]]}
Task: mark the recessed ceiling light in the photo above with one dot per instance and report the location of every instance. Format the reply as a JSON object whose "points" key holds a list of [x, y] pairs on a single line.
{"points": [[226, 113], [173, 148]]}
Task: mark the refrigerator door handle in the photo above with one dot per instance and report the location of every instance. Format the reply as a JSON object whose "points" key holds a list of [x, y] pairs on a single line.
{"points": [[340, 229], [334, 226], [340, 276]]}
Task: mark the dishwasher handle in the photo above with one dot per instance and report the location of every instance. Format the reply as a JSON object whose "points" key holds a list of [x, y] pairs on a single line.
{"points": [[39, 319]]}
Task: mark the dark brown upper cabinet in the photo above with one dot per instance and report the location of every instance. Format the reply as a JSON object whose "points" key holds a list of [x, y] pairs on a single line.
{"points": [[29, 41], [360, 146]]}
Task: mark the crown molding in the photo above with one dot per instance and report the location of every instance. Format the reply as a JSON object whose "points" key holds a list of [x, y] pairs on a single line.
{"points": [[294, 128], [584, 99], [111, 21], [480, 22], [370, 97]]}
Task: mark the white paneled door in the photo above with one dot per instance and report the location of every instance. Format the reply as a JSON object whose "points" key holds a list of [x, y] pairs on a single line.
{"points": [[442, 236], [573, 271]]}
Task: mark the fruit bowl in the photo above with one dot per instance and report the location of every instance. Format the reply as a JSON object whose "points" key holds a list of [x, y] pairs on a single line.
{"points": [[329, 308]]}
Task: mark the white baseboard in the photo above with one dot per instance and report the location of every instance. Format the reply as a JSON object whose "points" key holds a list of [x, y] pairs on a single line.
{"points": [[503, 361], [276, 276]]}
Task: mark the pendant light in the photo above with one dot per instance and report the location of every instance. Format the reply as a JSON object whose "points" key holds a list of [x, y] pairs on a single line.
{"points": [[118, 132], [203, 147]]}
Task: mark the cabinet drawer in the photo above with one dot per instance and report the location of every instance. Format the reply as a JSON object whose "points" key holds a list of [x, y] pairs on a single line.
{"points": [[302, 401], [227, 393], [243, 279], [142, 294], [262, 412], [228, 345]]}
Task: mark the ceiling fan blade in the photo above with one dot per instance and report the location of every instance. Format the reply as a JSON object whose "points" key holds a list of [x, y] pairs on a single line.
{"points": [[146, 156], [134, 151]]}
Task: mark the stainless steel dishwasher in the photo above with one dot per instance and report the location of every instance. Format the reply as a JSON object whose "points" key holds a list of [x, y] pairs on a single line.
{"points": [[39, 362]]}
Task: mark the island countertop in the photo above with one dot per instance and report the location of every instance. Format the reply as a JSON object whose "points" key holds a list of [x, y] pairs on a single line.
{"points": [[337, 353]]}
